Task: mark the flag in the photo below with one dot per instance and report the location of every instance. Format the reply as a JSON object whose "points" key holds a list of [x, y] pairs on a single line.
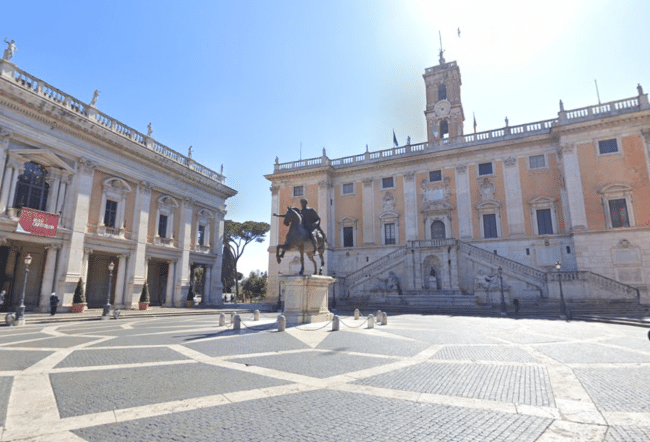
{"points": [[474, 122], [435, 135], [395, 139]]}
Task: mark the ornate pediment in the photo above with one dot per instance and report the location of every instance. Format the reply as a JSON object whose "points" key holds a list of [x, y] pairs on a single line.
{"points": [[44, 157], [436, 198]]}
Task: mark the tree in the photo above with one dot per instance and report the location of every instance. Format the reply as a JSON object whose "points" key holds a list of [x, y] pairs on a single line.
{"points": [[79, 296], [227, 269], [238, 235], [255, 285]]}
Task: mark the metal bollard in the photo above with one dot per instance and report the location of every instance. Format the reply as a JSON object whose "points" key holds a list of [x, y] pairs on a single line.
{"points": [[256, 315], [237, 323], [384, 318], [335, 323], [222, 319], [371, 321], [282, 323], [356, 314]]}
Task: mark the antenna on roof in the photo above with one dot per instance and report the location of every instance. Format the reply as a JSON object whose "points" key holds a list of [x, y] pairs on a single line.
{"points": [[597, 94], [301, 151], [442, 59]]}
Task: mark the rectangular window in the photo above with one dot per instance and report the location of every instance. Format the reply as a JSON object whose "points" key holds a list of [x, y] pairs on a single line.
{"points": [[201, 235], [387, 183], [298, 191], [607, 146], [162, 226], [348, 188], [490, 226], [348, 238], [544, 223], [435, 175], [389, 233], [485, 169], [618, 213], [110, 213], [537, 161]]}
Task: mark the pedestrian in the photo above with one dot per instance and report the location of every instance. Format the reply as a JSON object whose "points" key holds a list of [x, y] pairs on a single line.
{"points": [[516, 303], [2, 298], [54, 303]]}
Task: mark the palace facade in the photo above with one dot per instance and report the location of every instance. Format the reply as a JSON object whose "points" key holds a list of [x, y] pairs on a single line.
{"points": [[80, 190], [445, 221]]}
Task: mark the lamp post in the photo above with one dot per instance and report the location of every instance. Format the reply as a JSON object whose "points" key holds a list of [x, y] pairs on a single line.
{"points": [[107, 307], [334, 291], [503, 300], [279, 306], [558, 266], [20, 311]]}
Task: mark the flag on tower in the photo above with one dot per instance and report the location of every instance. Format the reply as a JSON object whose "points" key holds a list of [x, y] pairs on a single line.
{"points": [[395, 139], [474, 122]]}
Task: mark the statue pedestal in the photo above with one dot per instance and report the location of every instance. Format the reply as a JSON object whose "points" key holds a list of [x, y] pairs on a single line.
{"points": [[306, 298]]}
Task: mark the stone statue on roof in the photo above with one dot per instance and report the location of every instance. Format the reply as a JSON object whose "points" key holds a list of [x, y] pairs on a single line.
{"points": [[95, 97], [149, 130], [9, 50]]}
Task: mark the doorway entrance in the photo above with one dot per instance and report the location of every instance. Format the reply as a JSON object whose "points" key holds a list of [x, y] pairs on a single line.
{"points": [[157, 275], [97, 284]]}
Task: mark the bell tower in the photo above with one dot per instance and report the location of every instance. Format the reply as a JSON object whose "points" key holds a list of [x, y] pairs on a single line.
{"points": [[444, 112]]}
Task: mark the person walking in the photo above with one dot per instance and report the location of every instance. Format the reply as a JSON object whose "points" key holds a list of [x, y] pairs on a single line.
{"points": [[54, 303]]}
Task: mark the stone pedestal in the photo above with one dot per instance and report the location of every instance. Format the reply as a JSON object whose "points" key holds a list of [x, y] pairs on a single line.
{"points": [[305, 298]]}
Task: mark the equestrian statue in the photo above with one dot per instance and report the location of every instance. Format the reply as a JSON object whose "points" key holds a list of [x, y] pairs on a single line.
{"points": [[304, 235]]}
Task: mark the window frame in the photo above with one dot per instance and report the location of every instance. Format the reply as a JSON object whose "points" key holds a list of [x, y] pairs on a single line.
{"points": [[544, 166], [352, 223], [298, 191], [617, 191], [616, 141], [30, 186], [344, 193], [389, 236], [434, 171], [484, 218], [541, 203], [392, 181], [478, 169], [113, 189]]}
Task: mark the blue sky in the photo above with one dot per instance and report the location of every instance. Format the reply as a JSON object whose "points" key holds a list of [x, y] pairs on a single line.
{"points": [[246, 81]]}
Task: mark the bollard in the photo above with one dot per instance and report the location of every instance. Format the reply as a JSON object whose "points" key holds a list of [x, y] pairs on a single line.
{"points": [[116, 313], [232, 317], [256, 315], [371, 321], [384, 318], [335, 323], [282, 323], [378, 316], [222, 319], [237, 323], [356, 314]]}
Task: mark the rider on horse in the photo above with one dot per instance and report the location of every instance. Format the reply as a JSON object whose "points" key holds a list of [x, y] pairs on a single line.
{"points": [[311, 223]]}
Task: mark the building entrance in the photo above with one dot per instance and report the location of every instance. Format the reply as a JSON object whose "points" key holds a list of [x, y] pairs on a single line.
{"points": [[157, 275], [97, 284]]}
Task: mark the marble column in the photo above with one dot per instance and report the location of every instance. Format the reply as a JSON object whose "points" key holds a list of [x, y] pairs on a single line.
{"points": [[119, 281], [48, 277], [464, 201], [4, 146], [573, 184], [54, 182], [12, 171], [169, 291], [275, 223], [514, 199], [368, 207], [184, 243], [410, 207], [137, 266]]}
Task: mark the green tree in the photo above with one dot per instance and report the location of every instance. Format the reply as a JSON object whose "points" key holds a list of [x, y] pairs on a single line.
{"points": [[255, 285], [79, 296], [227, 269], [238, 235]]}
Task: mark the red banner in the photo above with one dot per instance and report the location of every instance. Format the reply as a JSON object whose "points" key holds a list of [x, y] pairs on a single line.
{"points": [[38, 223]]}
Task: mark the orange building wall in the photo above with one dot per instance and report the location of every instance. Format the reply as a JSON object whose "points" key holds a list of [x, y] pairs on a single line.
{"points": [[628, 167], [537, 183], [153, 210], [348, 206], [398, 193]]}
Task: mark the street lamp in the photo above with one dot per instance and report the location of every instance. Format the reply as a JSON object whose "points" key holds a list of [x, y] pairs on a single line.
{"points": [[334, 291], [20, 311], [558, 266], [279, 306], [503, 300], [107, 307]]}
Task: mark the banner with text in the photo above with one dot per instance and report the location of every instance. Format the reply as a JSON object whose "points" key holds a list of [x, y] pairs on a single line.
{"points": [[38, 223]]}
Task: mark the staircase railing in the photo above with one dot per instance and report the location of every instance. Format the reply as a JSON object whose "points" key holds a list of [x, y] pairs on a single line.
{"points": [[353, 278], [602, 281], [502, 261]]}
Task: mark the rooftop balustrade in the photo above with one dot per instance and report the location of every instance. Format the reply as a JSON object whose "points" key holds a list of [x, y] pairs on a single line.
{"points": [[59, 98], [610, 109]]}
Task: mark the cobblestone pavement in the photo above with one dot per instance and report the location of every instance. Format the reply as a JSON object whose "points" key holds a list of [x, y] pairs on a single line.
{"points": [[419, 378]]}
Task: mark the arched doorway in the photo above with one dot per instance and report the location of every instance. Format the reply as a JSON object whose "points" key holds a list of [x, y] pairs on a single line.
{"points": [[438, 230], [432, 273]]}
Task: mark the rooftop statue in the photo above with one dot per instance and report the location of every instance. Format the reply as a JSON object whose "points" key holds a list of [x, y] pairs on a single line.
{"points": [[305, 235], [95, 97], [149, 130], [9, 50]]}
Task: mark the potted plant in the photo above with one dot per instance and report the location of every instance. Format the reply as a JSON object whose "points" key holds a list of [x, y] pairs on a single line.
{"points": [[79, 298], [189, 302], [145, 299]]}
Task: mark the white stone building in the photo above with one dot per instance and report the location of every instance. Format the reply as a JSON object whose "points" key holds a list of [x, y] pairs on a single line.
{"points": [[120, 196]]}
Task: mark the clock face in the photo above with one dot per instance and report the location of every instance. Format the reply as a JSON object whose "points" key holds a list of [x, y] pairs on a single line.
{"points": [[442, 108]]}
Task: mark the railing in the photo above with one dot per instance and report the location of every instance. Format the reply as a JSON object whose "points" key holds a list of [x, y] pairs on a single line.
{"points": [[600, 280], [502, 261], [602, 110], [354, 278], [431, 243], [54, 95]]}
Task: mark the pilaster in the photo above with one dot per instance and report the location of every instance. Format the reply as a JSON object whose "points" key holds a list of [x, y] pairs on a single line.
{"points": [[47, 283], [120, 278], [573, 183], [368, 212], [464, 203], [514, 198], [410, 207], [137, 267]]}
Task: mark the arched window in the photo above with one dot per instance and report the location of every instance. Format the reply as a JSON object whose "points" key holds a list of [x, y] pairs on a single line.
{"points": [[444, 129], [438, 230], [31, 189], [442, 92]]}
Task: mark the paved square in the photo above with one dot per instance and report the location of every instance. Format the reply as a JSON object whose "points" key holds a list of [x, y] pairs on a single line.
{"points": [[420, 378]]}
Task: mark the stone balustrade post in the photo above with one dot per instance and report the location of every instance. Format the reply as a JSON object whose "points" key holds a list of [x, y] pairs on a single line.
{"points": [[282, 323], [222, 319], [371, 321], [335, 323], [356, 314], [236, 325]]}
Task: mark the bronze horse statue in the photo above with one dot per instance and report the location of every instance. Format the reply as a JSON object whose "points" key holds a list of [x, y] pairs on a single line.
{"points": [[298, 238]]}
